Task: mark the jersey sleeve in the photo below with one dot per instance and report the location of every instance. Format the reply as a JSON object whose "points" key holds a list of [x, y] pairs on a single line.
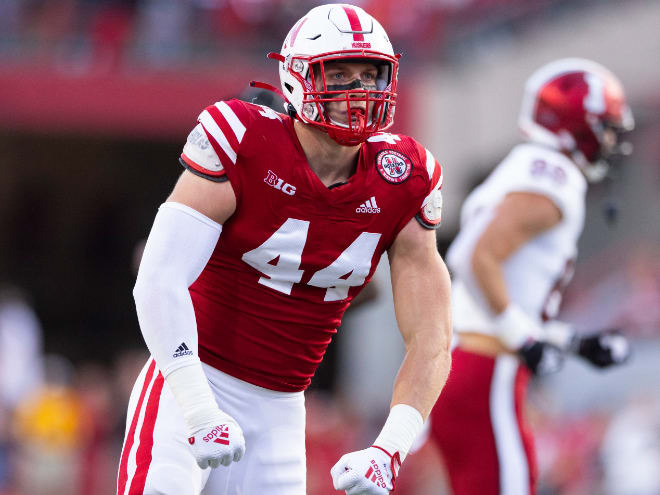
{"points": [[430, 214], [214, 144], [554, 179]]}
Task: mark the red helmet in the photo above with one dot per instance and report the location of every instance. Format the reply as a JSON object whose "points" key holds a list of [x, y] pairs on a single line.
{"points": [[329, 33], [577, 106]]}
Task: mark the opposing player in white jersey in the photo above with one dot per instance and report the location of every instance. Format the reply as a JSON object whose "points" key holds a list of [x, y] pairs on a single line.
{"points": [[277, 223], [513, 255]]}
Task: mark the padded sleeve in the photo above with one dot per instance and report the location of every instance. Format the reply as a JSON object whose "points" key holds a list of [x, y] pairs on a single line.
{"points": [[200, 158], [430, 214], [224, 124]]}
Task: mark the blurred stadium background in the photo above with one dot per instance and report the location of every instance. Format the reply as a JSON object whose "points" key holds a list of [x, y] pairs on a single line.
{"points": [[96, 100]]}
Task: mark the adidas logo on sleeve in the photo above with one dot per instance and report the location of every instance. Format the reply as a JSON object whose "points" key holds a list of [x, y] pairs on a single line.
{"points": [[182, 350], [368, 206]]}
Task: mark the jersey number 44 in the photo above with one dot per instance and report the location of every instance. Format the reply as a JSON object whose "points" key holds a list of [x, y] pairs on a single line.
{"points": [[279, 258]]}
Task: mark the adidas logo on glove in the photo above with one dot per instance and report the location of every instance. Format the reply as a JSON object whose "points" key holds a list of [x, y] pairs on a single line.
{"points": [[374, 475]]}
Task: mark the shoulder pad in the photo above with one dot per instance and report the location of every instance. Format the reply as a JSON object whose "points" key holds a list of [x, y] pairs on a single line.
{"points": [[430, 215], [199, 156]]}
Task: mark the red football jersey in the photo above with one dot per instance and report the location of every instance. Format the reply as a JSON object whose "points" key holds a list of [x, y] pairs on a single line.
{"points": [[295, 252]]}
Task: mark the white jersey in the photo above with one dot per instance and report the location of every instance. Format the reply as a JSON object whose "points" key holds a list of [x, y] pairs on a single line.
{"points": [[535, 274]]}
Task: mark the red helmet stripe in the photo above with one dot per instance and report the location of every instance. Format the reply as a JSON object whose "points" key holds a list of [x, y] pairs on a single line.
{"points": [[355, 23], [296, 30]]}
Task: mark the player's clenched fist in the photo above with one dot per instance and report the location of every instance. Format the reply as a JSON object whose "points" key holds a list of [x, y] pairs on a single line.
{"points": [[367, 472], [222, 443], [214, 436]]}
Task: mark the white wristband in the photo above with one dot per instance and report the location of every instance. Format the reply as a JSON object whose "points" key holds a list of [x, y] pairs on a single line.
{"points": [[515, 327], [400, 430], [192, 392], [560, 334]]}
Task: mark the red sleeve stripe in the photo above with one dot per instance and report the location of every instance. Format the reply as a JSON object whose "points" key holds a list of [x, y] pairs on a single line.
{"points": [[214, 132], [225, 128], [434, 186], [233, 120], [434, 170], [436, 181], [225, 160], [435, 176], [354, 20], [222, 124]]}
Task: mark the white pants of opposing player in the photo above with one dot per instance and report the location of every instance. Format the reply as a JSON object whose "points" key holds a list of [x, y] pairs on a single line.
{"points": [[156, 458]]}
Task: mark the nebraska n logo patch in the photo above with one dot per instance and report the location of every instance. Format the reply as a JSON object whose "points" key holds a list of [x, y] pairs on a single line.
{"points": [[393, 166]]}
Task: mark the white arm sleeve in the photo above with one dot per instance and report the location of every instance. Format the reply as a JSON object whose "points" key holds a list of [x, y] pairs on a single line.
{"points": [[180, 244]]}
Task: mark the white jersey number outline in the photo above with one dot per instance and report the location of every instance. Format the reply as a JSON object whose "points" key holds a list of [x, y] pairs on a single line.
{"points": [[279, 257]]}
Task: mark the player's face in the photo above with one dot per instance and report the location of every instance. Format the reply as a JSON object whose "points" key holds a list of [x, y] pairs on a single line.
{"points": [[340, 75]]}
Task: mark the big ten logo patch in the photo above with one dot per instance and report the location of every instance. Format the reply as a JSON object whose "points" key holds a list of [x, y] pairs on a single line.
{"points": [[274, 181]]}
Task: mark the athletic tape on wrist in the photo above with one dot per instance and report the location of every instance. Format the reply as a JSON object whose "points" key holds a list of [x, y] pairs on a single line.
{"points": [[192, 392], [400, 430]]}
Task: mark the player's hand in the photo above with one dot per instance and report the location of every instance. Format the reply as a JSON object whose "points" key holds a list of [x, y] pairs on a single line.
{"points": [[603, 349], [542, 358], [366, 472], [516, 329], [221, 442]]}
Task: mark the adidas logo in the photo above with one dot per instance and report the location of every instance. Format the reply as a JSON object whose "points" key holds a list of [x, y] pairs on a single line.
{"points": [[219, 434], [369, 206], [374, 475], [182, 350]]}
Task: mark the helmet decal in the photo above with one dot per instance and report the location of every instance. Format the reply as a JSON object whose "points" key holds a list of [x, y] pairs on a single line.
{"points": [[354, 21], [295, 32]]}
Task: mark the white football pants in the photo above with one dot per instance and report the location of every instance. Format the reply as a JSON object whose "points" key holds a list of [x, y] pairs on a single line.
{"points": [[156, 458]]}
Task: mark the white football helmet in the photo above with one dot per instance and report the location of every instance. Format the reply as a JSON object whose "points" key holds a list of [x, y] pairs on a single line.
{"points": [[330, 33], [577, 106]]}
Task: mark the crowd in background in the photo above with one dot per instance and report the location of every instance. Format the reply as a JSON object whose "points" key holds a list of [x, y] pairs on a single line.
{"points": [[102, 35]]}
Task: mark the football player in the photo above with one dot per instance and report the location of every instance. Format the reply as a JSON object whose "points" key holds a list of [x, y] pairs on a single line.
{"points": [[510, 261], [277, 223]]}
